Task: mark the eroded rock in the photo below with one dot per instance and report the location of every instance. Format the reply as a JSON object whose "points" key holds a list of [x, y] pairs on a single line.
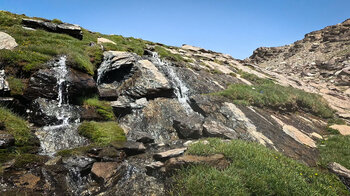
{"points": [[65, 28], [342, 172], [343, 129], [104, 170]]}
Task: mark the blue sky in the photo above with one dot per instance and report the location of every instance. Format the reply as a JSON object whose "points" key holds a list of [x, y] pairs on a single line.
{"points": [[232, 27]]}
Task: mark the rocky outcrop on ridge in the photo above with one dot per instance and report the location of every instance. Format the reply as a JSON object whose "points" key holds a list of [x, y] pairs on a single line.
{"points": [[318, 63]]}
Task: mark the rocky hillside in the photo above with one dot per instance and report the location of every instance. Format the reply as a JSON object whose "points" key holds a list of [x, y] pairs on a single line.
{"points": [[318, 63], [84, 113]]}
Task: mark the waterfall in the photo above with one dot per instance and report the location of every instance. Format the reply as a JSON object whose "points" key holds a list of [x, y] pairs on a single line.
{"points": [[64, 135], [180, 89]]}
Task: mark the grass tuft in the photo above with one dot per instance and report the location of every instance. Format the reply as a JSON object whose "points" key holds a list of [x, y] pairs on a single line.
{"points": [[102, 107], [164, 53], [254, 170], [102, 133]]}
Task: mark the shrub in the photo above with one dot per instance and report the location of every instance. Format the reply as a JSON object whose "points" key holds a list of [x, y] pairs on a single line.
{"points": [[254, 170], [102, 132]]}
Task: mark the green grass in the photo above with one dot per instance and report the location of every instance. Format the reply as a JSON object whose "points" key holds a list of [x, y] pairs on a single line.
{"points": [[37, 47], [16, 85], [75, 151], [102, 107], [335, 149], [278, 97], [254, 170], [15, 126], [164, 53], [253, 78], [56, 21], [128, 44], [102, 133]]}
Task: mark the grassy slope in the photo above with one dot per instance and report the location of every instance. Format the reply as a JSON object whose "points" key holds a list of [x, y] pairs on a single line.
{"points": [[37, 47], [265, 93], [254, 170], [335, 149]]}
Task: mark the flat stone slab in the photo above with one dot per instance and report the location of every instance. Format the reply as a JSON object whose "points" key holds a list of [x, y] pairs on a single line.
{"points": [[343, 129]]}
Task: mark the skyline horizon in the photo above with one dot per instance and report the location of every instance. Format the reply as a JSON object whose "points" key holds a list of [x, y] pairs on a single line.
{"points": [[209, 25]]}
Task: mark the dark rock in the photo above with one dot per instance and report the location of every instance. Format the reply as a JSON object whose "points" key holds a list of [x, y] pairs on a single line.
{"points": [[81, 163], [153, 168], [342, 172], [190, 127], [163, 156], [80, 84], [213, 128], [143, 137], [65, 28], [132, 148], [43, 83], [6, 140]]}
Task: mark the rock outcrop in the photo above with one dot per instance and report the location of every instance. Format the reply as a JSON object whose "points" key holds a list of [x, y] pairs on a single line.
{"points": [[65, 28], [7, 42], [319, 63]]}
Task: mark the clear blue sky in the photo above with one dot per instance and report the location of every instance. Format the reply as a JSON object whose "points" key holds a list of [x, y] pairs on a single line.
{"points": [[232, 27]]}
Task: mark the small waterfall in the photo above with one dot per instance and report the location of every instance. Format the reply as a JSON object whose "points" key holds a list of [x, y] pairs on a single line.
{"points": [[181, 90], [64, 135]]}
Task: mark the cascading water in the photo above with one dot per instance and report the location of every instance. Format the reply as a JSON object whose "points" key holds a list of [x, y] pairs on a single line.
{"points": [[181, 90], [63, 135]]}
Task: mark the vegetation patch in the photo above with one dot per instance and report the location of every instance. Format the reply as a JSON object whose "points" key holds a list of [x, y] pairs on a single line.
{"points": [[254, 170], [164, 53], [25, 160], [102, 133], [102, 107], [37, 47], [128, 44], [16, 126], [278, 97], [16, 85], [75, 151], [335, 149]]}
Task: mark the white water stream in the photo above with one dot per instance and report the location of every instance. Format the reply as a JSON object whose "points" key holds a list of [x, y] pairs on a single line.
{"points": [[181, 90], [64, 135]]}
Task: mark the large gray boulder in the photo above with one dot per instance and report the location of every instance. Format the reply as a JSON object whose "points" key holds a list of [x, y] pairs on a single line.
{"points": [[7, 42]]}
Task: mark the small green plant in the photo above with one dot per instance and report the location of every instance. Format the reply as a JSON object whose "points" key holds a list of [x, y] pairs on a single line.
{"points": [[164, 53], [335, 149], [254, 170], [16, 126], [16, 85], [56, 21], [102, 107], [102, 133]]}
